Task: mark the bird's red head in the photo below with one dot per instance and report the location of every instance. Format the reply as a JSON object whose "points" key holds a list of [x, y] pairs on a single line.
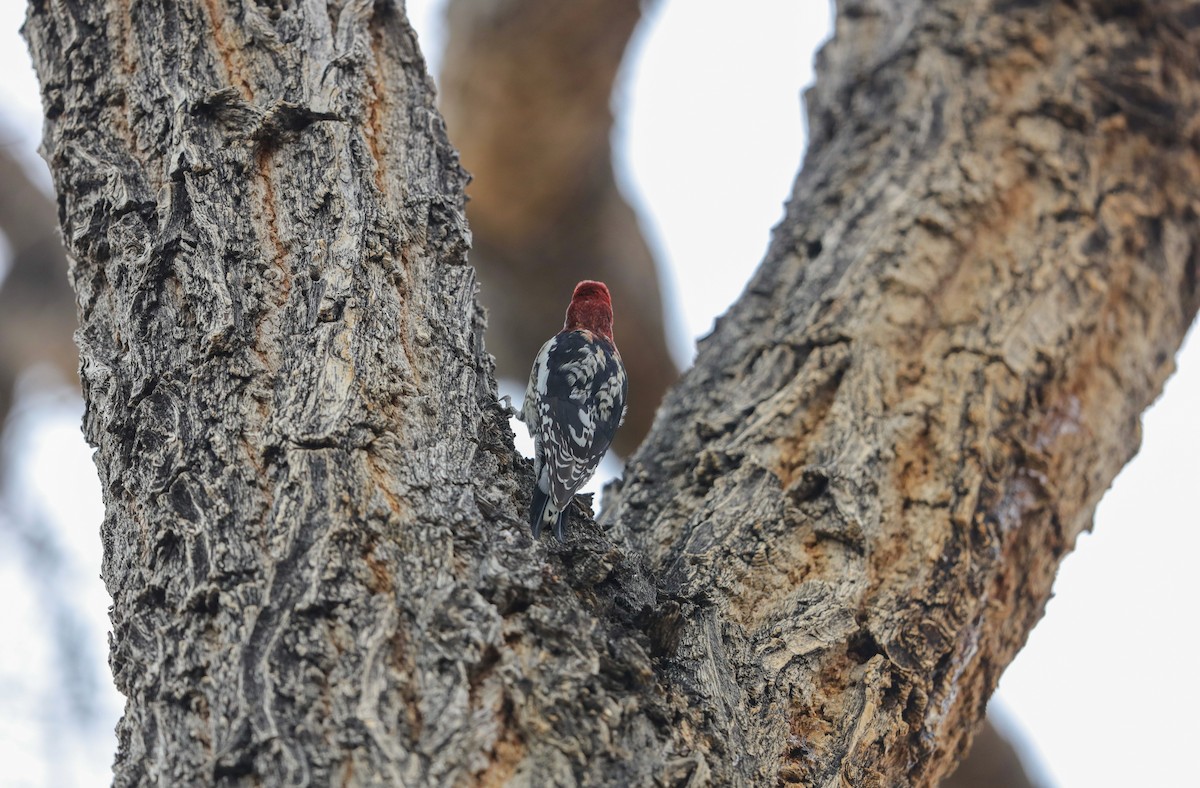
{"points": [[591, 309]]}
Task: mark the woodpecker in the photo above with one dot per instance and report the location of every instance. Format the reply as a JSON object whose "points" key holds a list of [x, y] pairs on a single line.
{"points": [[574, 404]]}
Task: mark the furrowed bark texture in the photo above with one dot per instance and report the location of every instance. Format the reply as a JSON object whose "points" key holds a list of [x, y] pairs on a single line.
{"points": [[889, 443], [266, 228], [843, 524], [296, 423]]}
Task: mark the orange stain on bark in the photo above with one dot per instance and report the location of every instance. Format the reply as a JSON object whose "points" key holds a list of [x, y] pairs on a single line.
{"points": [[382, 480], [270, 213], [380, 581], [230, 54], [377, 105]]}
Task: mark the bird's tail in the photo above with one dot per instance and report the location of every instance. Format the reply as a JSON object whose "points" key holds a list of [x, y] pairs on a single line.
{"points": [[560, 527], [542, 512]]}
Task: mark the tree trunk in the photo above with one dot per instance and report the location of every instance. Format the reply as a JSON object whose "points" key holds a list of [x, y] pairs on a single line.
{"points": [[843, 524]]}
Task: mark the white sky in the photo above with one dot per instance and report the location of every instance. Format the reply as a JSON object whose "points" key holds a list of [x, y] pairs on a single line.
{"points": [[1104, 691]]}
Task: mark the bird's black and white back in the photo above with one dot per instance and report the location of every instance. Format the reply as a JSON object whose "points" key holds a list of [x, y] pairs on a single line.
{"points": [[573, 406]]}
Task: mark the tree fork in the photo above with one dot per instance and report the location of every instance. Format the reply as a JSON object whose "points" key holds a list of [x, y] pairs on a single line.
{"points": [[843, 524]]}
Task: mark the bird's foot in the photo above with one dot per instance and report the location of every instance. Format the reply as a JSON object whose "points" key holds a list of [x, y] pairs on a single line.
{"points": [[506, 406]]}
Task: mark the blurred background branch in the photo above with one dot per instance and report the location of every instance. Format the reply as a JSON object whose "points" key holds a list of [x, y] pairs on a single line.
{"points": [[37, 307], [526, 89]]}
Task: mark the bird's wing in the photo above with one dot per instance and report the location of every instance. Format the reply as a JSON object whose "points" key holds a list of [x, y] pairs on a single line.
{"points": [[581, 407]]}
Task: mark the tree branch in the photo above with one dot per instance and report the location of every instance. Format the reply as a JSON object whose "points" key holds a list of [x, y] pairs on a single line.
{"points": [[895, 435]]}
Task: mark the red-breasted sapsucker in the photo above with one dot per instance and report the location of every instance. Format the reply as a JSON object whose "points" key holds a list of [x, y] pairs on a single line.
{"points": [[573, 405]]}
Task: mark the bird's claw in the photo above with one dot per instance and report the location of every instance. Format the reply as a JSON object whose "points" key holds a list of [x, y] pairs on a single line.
{"points": [[506, 406]]}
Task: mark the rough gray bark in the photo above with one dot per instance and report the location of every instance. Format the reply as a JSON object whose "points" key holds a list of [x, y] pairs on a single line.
{"points": [[266, 234], [841, 527]]}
